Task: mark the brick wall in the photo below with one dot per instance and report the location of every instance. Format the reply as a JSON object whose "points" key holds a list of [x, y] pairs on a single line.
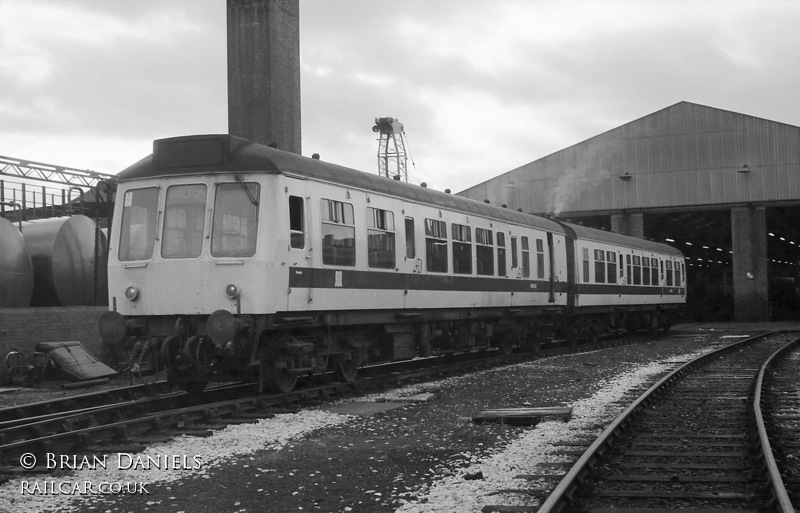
{"points": [[22, 328]]}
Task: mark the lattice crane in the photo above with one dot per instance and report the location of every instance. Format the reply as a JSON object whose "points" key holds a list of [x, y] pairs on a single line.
{"points": [[392, 159]]}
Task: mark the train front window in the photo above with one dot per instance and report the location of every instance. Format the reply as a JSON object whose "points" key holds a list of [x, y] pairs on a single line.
{"points": [[184, 221], [138, 230], [233, 232]]}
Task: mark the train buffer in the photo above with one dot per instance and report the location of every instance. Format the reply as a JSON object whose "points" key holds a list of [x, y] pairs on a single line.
{"points": [[522, 416]]}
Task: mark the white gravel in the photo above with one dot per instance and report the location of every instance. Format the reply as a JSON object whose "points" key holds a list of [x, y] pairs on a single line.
{"points": [[453, 493], [269, 434], [450, 492]]}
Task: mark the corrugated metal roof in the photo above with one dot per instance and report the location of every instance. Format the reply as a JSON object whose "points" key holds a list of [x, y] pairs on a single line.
{"points": [[683, 155]]}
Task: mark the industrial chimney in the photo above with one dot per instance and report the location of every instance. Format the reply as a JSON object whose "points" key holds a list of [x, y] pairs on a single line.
{"points": [[264, 72]]}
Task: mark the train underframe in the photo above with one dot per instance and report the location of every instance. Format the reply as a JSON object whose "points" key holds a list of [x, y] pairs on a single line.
{"points": [[278, 349]]}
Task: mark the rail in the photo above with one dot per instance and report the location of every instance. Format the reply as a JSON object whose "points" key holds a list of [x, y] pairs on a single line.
{"points": [[562, 494], [776, 481]]}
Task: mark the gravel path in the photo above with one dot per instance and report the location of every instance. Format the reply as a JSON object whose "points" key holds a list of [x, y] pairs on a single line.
{"points": [[412, 458]]}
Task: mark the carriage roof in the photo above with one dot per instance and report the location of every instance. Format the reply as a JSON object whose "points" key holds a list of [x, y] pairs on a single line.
{"points": [[204, 154], [595, 235]]}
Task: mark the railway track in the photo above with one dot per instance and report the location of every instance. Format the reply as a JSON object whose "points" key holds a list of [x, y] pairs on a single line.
{"points": [[127, 419], [704, 438]]}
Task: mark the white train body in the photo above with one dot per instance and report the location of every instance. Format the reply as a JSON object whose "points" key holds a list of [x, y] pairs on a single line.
{"points": [[257, 253]]}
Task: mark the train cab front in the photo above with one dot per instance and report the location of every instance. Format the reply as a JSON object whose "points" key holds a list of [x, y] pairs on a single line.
{"points": [[183, 256]]}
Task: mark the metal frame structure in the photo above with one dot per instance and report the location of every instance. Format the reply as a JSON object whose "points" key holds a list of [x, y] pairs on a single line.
{"points": [[391, 148], [25, 195]]}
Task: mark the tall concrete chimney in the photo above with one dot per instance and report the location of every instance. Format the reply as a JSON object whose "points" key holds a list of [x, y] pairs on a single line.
{"points": [[264, 72]]}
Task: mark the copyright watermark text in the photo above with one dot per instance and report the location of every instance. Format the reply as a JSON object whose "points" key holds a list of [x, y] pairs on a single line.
{"points": [[53, 487]]}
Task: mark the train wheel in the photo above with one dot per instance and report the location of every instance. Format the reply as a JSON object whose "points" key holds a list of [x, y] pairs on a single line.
{"points": [[572, 335], [506, 344], [169, 353], [275, 369], [345, 366], [593, 334]]}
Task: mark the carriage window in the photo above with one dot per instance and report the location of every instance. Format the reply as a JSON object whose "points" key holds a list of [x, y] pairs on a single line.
{"points": [[184, 221], [435, 246], [669, 273], [539, 258], [611, 265], [514, 257], [645, 269], [297, 236], [628, 268], [637, 270], [138, 231], [585, 252], [233, 233], [526, 258], [338, 233], [599, 266], [484, 251], [462, 248], [654, 271], [380, 238], [501, 254], [677, 274], [411, 249]]}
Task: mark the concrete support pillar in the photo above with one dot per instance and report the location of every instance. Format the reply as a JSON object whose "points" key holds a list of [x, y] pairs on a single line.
{"points": [[264, 72], [750, 278], [628, 224]]}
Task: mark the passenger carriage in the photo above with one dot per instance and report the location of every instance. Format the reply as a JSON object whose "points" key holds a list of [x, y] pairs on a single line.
{"points": [[234, 257]]}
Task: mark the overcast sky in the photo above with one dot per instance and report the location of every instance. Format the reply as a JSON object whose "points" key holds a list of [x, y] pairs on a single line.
{"points": [[482, 86]]}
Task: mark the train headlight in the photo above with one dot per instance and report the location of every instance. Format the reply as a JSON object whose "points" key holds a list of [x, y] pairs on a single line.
{"points": [[232, 291], [132, 293]]}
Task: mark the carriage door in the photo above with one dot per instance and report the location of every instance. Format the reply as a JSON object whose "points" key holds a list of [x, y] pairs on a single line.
{"points": [[551, 290], [411, 265], [301, 265]]}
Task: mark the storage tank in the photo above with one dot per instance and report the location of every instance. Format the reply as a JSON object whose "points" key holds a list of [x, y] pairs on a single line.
{"points": [[16, 268], [69, 257]]}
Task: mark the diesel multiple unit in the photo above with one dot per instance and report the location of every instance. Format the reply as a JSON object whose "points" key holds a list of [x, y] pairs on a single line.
{"points": [[234, 258]]}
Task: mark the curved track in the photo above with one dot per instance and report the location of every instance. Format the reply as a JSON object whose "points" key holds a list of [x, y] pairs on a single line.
{"points": [[695, 441]]}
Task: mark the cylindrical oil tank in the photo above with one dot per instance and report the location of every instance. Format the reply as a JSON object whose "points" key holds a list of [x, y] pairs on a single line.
{"points": [[16, 268], [69, 257]]}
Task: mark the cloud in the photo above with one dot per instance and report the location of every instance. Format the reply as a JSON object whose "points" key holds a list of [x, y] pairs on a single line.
{"points": [[82, 67], [482, 86]]}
